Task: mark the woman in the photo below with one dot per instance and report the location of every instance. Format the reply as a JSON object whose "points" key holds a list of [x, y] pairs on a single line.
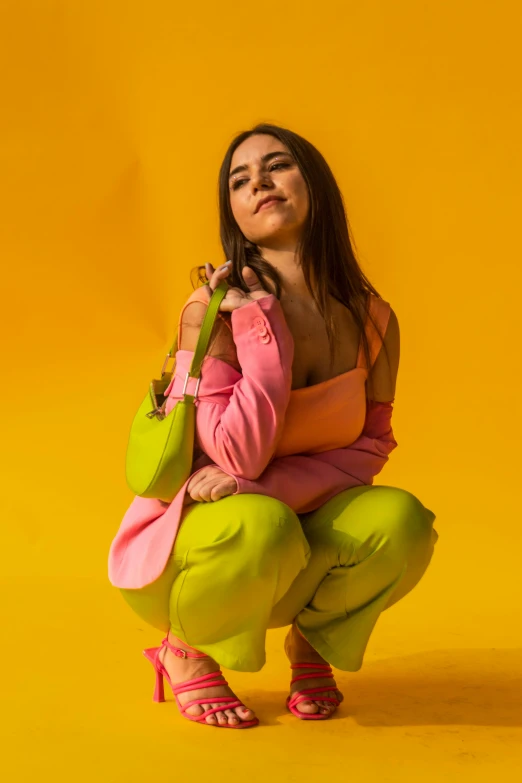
{"points": [[279, 523]]}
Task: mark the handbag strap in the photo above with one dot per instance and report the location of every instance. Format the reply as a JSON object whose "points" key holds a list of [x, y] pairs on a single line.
{"points": [[205, 331]]}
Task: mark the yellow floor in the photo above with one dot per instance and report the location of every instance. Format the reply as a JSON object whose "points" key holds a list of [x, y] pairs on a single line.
{"points": [[434, 701], [438, 697]]}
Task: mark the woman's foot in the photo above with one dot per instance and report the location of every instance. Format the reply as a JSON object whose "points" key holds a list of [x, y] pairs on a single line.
{"points": [[298, 650], [182, 669]]}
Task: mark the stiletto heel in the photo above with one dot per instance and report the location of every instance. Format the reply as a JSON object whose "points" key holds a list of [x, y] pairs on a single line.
{"points": [[210, 680], [159, 690]]}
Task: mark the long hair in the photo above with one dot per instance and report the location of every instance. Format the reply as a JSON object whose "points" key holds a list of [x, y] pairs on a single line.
{"points": [[328, 260]]}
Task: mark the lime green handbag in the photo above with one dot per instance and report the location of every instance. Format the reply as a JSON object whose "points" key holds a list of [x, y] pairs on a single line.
{"points": [[161, 447]]}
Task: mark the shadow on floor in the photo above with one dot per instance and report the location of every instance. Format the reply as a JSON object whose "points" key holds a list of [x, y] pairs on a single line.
{"points": [[439, 687]]}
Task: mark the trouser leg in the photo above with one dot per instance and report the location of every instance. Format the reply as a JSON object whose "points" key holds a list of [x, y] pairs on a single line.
{"points": [[232, 561], [369, 547]]}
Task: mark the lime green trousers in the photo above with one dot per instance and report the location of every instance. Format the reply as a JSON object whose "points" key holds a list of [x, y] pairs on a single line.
{"points": [[246, 563]]}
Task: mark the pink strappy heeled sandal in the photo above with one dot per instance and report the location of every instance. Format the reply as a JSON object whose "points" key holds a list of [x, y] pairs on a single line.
{"points": [[207, 681], [305, 695]]}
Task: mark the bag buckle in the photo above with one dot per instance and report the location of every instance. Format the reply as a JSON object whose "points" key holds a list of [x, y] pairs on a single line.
{"points": [[168, 356], [156, 412], [197, 385]]}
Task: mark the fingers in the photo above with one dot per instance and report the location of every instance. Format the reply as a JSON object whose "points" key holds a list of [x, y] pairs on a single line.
{"points": [[215, 276], [251, 279], [210, 485], [222, 490], [200, 491], [209, 489]]}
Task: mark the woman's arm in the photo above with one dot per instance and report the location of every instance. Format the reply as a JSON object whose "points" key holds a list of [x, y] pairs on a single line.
{"points": [[239, 416], [385, 368], [305, 482]]}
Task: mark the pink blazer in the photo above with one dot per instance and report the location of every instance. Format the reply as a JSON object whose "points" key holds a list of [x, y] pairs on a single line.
{"points": [[240, 418]]}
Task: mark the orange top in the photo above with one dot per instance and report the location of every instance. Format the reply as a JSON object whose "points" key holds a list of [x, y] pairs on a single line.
{"points": [[331, 414]]}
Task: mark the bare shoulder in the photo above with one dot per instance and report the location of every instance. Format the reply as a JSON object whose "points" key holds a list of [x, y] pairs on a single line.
{"points": [[386, 366], [221, 344]]}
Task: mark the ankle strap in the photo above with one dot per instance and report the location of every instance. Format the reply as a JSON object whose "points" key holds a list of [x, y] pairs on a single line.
{"points": [[179, 652]]}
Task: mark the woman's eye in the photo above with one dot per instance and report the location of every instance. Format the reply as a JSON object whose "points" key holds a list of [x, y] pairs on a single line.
{"points": [[237, 184]]}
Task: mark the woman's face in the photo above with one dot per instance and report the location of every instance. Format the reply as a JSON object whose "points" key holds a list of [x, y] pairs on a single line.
{"points": [[269, 170]]}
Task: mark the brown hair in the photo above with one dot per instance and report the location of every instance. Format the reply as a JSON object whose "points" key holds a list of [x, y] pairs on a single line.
{"points": [[328, 261]]}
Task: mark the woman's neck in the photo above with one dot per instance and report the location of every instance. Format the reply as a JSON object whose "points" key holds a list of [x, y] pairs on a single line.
{"points": [[288, 265]]}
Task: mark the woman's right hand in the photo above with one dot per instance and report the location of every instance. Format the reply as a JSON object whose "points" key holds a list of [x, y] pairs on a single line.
{"points": [[235, 297]]}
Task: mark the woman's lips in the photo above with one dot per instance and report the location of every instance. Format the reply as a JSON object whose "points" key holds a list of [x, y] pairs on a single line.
{"points": [[270, 203]]}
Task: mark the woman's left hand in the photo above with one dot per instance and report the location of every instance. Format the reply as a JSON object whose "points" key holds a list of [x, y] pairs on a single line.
{"points": [[209, 484]]}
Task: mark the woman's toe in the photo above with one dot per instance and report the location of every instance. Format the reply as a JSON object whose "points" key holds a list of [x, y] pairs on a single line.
{"points": [[210, 718], [244, 713], [232, 717], [326, 706], [221, 718], [308, 707], [196, 710]]}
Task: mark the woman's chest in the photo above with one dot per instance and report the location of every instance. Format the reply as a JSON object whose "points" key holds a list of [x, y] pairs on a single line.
{"points": [[311, 363]]}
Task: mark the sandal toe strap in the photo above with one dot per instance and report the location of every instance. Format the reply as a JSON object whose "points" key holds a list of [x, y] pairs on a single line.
{"points": [[227, 703], [211, 680], [305, 695]]}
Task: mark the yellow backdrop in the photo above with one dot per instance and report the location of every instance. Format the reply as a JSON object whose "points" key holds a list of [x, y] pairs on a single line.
{"points": [[114, 120]]}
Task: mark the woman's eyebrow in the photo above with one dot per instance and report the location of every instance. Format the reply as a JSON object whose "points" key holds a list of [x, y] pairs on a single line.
{"points": [[264, 159]]}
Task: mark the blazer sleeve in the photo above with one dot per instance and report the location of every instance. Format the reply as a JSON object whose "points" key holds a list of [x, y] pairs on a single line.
{"points": [[305, 482], [240, 416]]}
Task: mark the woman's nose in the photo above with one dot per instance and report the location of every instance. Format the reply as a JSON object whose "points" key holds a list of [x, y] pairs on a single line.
{"points": [[260, 182]]}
